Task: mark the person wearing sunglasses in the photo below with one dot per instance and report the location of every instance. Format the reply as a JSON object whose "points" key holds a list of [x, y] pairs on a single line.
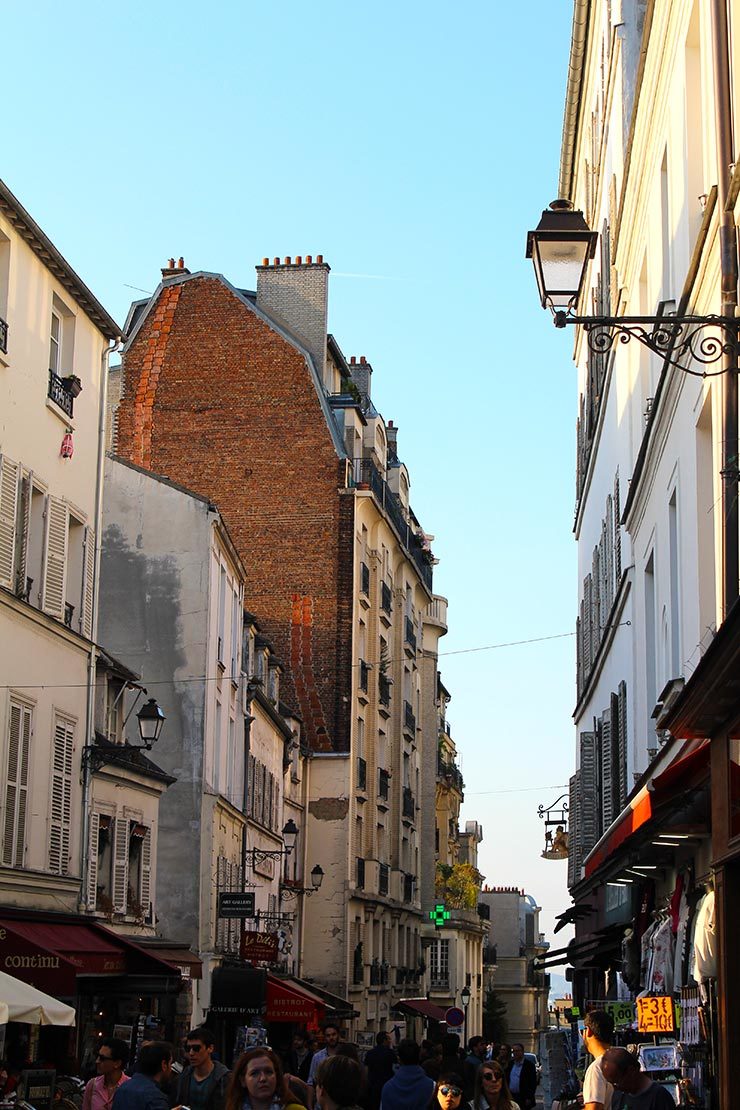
{"points": [[109, 1064], [491, 1089], [448, 1092], [204, 1081]]}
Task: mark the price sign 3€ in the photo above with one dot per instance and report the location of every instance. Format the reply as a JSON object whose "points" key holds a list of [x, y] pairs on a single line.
{"points": [[655, 1015]]}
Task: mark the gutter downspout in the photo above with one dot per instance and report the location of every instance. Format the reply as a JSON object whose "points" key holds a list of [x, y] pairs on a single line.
{"points": [[581, 14], [91, 665], [301, 900], [729, 277]]}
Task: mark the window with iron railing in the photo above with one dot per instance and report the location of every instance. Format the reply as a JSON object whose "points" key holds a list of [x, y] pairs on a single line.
{"points": [[364, 673], [384, 690], [408, 803], [408, 888], [361, 773], [383, 879], [360, 877], [364, 578], [409, 717], [410, 633], [386, 597], [384, 782], [59, 394], [3, 337]]}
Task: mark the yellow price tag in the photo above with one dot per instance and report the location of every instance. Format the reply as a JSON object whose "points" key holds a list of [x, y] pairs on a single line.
{"points": [[655, 1015]]}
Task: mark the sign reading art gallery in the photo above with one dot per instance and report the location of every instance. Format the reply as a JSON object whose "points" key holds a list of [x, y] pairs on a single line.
{"points": [[259, 947]]}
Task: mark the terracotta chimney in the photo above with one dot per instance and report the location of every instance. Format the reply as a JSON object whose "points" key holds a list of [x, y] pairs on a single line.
{"points": [[174, 269]]}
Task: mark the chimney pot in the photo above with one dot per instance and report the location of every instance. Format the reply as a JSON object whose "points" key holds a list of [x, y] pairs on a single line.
{"points": [[362, 360], [276, 261], [391, 424], [171, 263], [353, 360], [298, 260], [319, 259], [309, 259], [181, 263], [287, 260], [265, 261]]}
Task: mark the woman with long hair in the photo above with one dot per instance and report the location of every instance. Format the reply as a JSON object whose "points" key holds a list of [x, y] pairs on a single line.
{"points": [[339, 1083], [257, 1083], [491, 1089], [448, 1092]]}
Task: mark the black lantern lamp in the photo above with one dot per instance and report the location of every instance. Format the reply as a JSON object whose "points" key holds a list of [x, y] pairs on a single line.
{"points": [[465, 997], [560, 248], [317, 876], [150, 718], [290, 835]]}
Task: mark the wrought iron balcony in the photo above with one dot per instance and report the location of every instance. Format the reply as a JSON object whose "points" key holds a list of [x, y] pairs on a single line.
{"points": [[450, 774], [3, 336], [408, 805], [361, 774], [364, 578], [364, 673], [383, 880], [59, 394], [386, 598], [365, 473], [439, 983], [409, 718], [384, 690], [69, 612], [410, 634], [384, 783]]}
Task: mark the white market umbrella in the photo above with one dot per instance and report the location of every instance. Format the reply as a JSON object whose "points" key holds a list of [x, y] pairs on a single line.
{"points": [[3, 1014], [22, 1002]]}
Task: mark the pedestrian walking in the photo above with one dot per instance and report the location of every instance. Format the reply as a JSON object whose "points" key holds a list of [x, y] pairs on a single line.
{"points": [[380, 1062], [111, 1059], [298, 1058], [448, 1092], [203, 1083], [142, 1091], [258, 1083], [472, 1063], [598, 1035], [332, 1038], [521, 1076], [339, 1083], [410, 1088], [491, 1089], [633, 1088]]}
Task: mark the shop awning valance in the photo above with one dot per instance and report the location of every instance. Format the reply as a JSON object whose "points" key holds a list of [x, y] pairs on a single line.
{"points": [[22, 1002], [287, 1001], [421, 1006]]}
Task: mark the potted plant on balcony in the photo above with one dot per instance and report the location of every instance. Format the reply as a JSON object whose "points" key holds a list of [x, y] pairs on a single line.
{"points": [[72, 384]]}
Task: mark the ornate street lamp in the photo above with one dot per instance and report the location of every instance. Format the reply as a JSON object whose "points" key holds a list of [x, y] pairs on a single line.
{"points": [[561, 248], [150, 718], [290, 835], [465, 999], [288, 890]]}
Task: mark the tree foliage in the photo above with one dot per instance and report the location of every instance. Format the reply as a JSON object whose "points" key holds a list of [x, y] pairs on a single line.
{"points": [[457, 885], [495, 1022]]}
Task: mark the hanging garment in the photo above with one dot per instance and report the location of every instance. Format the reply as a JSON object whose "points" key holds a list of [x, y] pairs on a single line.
{"points": [[646, 953], [661, 970], [705, 941], [675, 905], [679, 959], [631, 952]]}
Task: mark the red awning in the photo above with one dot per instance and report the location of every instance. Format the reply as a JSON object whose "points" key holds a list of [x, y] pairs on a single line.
{"points": [[693, 758], [422, 1006], [286, 1001], [51, 954]]}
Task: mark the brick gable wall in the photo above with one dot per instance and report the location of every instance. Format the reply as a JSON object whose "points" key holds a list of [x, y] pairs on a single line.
{"points": [[215, 399]]}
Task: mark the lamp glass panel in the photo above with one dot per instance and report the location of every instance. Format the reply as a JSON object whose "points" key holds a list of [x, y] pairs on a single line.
{"points": [[562, 263]]}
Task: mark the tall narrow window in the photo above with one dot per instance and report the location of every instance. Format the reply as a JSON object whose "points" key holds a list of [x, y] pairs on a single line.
{"points": [[650, 644], [60, 810], [221, 614], [706, 520], [673, 556], [55, 344], [16, 788], [665, 229]]}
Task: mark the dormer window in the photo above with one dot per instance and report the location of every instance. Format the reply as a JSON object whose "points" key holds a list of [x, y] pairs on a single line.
{"points": [[273, 684]]}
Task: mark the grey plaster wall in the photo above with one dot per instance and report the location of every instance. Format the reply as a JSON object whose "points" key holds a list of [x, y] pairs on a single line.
{"points": [[154, 617]]}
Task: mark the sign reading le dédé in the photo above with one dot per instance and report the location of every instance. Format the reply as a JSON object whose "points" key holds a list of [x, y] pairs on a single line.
{"points": [[236, 903]]}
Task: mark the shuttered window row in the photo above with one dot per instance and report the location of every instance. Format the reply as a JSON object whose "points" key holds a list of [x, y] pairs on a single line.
{"points": [[120, 866], [263, 794], [598, 362], [229, 877], [599, 591], [47, 556]]}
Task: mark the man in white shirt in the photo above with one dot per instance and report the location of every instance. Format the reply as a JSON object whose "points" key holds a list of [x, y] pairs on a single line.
{"points": [[598, 1035]]}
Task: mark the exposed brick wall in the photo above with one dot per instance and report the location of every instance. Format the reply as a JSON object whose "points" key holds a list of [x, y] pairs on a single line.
{"points": [[215, 399]]}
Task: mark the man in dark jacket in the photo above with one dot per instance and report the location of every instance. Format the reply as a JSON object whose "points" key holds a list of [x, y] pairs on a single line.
{"points": [[379, 1062], [203, 1083], [410, 1088], [142, 1092], [522, 1078]]}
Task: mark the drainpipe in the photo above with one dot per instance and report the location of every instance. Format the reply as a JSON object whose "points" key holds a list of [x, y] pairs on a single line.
{"points": [[301, 899], [90, 707], [729, 277]]}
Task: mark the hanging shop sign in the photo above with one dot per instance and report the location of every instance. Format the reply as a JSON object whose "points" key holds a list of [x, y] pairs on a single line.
{"points": [[236, 904], [655, 1015], [621, 1013], [259, 947]]}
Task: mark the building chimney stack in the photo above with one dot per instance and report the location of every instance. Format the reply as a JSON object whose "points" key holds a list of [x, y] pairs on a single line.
{"points": [[174, 269], [296, 294], [361, 372]]}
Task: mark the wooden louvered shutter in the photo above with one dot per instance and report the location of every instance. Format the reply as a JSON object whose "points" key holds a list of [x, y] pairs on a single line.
{"points": [[220, 887], [607, 771], [574, 867], [24, 533], [145, 896], [91, 879], [9, 482], [622, 744], [617, 531], [60, 815], [588, 798], [88, 584], [55, 557], [16, 789], [120, 864]]}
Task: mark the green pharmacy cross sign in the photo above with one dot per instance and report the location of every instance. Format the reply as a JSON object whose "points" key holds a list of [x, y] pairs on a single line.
{"points": [[439, 915]]}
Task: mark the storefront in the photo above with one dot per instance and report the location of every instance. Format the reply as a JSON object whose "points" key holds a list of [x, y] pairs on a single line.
{"points": [[115, 986]]}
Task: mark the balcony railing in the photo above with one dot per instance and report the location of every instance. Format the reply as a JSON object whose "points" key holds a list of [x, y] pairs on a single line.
{"points": [[409, 717], [408, 888], [383, 880], [360, 873], [386, 598], [379, 973], [3, 336], [361, 773], [59, 394], [408, 805], [384, 783], [365, 472], [384, 690], [364, 578], [410, 634], [439, 983], [364, 673], [450, 773]]}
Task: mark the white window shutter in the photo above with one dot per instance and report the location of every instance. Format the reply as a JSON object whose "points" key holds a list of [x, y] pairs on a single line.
{"points": [[60, 814], [25, 494], [9, 482], [88, 584], [220, 886], [120, 864], [145, 896], [55, 557], [16, 789], [91, 891]]}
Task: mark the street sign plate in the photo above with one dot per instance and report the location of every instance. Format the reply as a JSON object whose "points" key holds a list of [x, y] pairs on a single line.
{"points": [[455, 1017], [236, 904]]}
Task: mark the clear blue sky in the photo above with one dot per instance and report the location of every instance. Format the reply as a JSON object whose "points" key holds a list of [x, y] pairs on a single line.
{"points": [[413, 142]]}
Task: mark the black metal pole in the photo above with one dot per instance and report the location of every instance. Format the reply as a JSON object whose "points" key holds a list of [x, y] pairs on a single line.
{"points": [[729, 276]]}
